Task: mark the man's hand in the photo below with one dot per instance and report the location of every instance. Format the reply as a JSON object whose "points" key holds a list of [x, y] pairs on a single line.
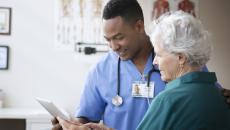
{"points": [[226, 93], [56, 125], [72, 124]]}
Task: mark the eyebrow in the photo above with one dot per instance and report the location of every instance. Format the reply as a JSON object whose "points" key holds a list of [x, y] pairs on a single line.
{"points": [[118, 34]]}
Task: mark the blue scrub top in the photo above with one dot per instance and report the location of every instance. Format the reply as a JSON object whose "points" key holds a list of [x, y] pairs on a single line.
{"points": [[101, 87]]}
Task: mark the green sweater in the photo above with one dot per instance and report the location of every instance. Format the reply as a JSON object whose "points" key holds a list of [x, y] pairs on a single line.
{"points": [[191, 102]]}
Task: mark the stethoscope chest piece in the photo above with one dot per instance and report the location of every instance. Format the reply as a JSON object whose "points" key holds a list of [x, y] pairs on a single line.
{"points": [[117, 100]]}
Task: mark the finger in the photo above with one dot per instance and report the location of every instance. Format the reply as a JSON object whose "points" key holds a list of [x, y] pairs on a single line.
{"points": [[91, 125], [224, 92], [54, 121], [64, 124], [77, 127], [57, 127], [96, 126], [74, 121], [228, 100], [227, 92]]}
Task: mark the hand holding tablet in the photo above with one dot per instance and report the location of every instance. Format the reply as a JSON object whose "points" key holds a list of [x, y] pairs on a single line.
{"points": [[53, 109]]}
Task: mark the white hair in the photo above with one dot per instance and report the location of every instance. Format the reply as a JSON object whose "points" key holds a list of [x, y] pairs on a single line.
{"points": [[180, 32]]}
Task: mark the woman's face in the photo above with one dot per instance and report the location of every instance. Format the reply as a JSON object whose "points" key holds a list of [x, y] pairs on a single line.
{"points": [[168, 63]]}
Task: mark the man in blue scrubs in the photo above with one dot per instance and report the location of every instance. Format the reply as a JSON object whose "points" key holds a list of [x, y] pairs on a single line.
{"points": [[124, 31], [107, 98]]}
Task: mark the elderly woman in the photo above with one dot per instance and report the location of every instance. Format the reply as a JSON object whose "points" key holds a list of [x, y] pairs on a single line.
{"points": [[190, 100]]}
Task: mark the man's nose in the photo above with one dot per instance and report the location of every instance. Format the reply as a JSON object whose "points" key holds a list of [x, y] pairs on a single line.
{"points": [[115, 46]]}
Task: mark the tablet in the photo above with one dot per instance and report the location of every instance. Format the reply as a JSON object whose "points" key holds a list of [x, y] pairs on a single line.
{"points": [[53, 109]]}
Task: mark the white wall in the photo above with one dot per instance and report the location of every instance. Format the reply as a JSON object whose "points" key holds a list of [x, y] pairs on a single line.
{"points": [[37, 69], [215, 16]]}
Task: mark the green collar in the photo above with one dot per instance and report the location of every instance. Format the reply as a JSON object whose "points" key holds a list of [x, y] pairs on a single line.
{"points": [[193, 77]]}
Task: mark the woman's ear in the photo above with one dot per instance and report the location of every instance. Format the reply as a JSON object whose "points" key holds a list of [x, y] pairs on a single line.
{"points": [[181, 58]]}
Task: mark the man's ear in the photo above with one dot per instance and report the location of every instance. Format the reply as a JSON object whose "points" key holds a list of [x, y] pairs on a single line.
{"points": [[182, 58], [139, 26]]}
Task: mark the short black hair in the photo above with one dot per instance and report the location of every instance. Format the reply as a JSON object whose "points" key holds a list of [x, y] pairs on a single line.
{"points": [[129, 10]]}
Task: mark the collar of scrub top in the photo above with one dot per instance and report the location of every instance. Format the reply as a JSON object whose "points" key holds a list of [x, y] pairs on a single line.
{"points": [[117, 100]]}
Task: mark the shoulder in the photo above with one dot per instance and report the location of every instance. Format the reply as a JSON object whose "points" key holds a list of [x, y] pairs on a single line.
{"points": [[105, 63], [109, 58], [173, 95]]}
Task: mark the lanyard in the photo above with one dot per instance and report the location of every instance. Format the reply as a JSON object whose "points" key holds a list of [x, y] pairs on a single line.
{"points": [[117, 100]]}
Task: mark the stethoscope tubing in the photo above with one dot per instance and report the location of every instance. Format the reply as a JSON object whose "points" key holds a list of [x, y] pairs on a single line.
{"points": [[118, 76], [148, 76]]}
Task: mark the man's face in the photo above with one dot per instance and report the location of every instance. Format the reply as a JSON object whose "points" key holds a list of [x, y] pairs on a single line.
{"points": [[122, 38]]}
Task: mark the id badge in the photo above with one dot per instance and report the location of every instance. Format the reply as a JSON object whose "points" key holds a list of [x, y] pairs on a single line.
{"points": [[140, 89]]}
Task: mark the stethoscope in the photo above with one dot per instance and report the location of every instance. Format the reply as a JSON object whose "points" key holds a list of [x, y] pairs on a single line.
{"points": [[117, 100]]}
